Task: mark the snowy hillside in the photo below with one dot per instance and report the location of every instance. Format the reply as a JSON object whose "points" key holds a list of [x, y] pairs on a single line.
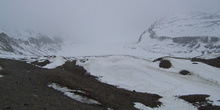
{"points": [[184, 35], [184, 78], [27, 42], [162, 64], [136, 74], [188, 24]]}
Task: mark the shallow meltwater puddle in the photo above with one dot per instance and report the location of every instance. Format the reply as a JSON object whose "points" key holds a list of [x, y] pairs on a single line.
{"points": [[74, 94], [0, 74]]}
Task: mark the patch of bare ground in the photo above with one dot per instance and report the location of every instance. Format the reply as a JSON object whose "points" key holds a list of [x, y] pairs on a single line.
{"points": [[200, 101], [25, 87], [213, 62]]}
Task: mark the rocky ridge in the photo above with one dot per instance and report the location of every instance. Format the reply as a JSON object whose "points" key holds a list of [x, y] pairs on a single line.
{"points": [[27, 42]]}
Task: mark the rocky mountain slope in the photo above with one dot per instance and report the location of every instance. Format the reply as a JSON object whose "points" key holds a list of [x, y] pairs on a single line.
{"points": [[184, 35], [27, 42]]}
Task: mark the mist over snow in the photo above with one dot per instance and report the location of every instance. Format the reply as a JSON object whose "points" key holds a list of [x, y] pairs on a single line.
{"points": [[124, 43], [97, 20]]}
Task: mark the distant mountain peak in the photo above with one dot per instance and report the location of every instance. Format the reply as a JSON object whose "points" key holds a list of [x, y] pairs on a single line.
{"points": [[186, 35], [188, 24], [27, 42]]}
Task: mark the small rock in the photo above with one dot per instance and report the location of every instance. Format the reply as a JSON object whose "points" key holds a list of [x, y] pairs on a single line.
{"points": [[35, 95], [194, 63], [184, 72], [26, 104]]}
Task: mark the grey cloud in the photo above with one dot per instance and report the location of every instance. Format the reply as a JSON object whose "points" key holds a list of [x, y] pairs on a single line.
{"points": [[95, 20]]}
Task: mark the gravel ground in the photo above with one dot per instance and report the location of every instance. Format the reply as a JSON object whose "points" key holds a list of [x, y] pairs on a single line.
{"points": [[25, 87], [200, 101]]}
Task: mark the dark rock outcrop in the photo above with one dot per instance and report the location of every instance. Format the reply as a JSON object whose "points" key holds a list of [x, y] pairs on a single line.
{"points": [[213, 62], [165, 64]]}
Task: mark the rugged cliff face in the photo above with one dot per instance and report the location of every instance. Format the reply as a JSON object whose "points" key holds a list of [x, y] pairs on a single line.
{"points": [[194, 32], [5, 43], [28, 43]]}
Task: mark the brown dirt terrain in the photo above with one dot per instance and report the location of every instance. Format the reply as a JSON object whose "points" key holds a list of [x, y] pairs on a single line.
{"points": [[213, 62], [200, 101], [24, 87]]}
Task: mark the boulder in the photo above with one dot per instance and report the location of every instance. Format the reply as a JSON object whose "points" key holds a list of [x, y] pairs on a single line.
{"points": [[165, 64]]}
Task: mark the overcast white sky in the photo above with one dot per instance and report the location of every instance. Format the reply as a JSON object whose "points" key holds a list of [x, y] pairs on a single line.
{"points": [[95, 20]]}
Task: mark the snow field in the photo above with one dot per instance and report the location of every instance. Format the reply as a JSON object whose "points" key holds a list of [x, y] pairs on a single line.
{"points": [[145, 76], [104, 49]]}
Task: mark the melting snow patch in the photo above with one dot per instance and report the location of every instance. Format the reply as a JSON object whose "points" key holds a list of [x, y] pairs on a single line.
{"points": [[72, 94], [58, 61], [141, 106]]}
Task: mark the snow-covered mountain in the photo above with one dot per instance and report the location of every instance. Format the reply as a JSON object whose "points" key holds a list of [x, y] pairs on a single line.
{"points": [[27, 42], [131, 67], [186, 35], [181, 35]]}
